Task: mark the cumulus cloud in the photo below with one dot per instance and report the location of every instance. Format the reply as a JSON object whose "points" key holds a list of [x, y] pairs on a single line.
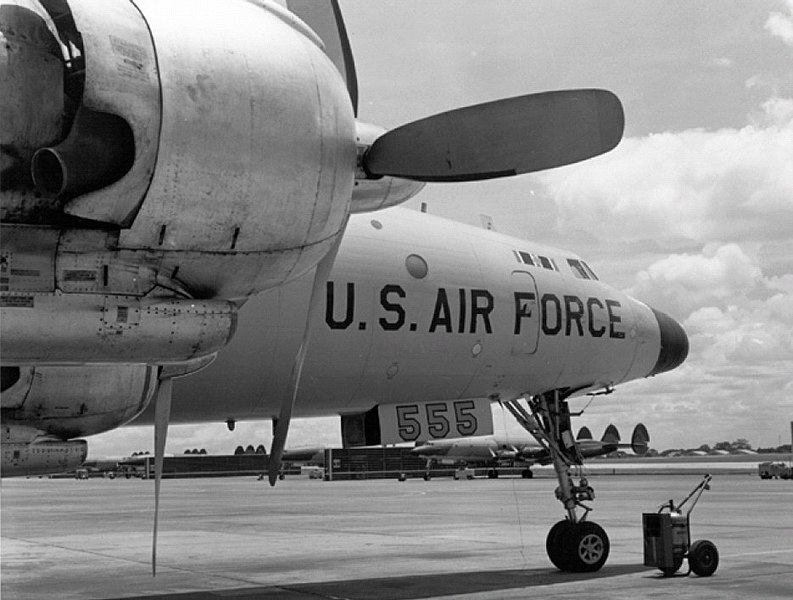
{"points": [[781, 24], [698, 185], [684, 282], [704, 220]]}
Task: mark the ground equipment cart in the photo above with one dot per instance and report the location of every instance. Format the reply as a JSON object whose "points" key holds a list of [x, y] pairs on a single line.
{"points": [[667, 538]]}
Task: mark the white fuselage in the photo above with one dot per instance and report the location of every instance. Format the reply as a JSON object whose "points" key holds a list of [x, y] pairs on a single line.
{"points": [[480, 323]]}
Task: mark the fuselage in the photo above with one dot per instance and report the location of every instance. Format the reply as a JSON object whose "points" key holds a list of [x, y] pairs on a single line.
{"points": [[484, 449], [497, 450], [419, 308]]}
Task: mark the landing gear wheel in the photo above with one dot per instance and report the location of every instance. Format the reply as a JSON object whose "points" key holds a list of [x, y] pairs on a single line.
{"points": [[492, 474], [427, 477], [554, 544], [527, 474], [587, 547], [581, 547], [669, 571], [703, 558]]}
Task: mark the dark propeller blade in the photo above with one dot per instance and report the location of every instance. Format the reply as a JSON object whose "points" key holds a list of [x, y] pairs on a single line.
{"points": [[288, 403], [326, 20], [501, 138], [162, 413]]}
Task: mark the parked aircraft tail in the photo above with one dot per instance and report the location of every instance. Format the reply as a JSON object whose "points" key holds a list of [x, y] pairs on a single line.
{"points": [[640, 439]]}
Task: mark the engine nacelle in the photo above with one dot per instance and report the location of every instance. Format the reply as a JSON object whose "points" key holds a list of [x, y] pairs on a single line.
{"points": [[42, 458], [67, 402], [375, 192], [93, 328], [215, 134]]}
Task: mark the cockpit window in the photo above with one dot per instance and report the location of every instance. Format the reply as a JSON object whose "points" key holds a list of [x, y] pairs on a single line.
{"points": [[527, 258], [578, 268], [545, 261], [590, 271]]}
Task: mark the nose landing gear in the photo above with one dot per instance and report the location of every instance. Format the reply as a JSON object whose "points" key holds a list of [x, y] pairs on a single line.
{"points": [[573, 544]]}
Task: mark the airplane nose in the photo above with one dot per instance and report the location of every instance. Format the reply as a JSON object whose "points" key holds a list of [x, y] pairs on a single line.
{"points": [[674, 344]]}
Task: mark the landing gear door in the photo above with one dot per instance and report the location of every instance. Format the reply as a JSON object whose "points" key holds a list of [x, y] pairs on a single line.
{"points": [[527, 314]]}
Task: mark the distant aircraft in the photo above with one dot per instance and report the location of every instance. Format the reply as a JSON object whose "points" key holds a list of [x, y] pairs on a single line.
{"points": [[165, 162], [492, 452]]}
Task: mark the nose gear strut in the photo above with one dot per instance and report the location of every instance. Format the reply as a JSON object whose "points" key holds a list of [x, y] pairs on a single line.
{"points": [[573, 544]]}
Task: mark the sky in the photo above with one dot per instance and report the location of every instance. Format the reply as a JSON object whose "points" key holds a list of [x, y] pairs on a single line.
{"points": [[692, 213]]}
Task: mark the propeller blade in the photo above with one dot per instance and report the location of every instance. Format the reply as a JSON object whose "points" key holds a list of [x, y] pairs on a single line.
{"points": [[501, 138], [162, 414], [327, 22], [285, 414]]}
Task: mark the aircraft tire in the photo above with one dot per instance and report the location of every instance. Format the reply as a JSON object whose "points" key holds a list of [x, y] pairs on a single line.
{"points": [[703, 558], [527, 474], [585, 547], [554, 546]]}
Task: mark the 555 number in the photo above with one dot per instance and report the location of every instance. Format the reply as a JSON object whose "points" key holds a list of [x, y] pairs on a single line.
{"points": [[436, 419]]}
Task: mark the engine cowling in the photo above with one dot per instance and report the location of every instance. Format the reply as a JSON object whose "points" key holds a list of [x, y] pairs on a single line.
{"points": [[43, 407], [66, 402], [216, 135], [42, 457], [374, 192]]}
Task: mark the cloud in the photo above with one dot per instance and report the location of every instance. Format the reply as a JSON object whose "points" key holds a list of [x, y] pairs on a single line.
{"points": [[781, 25], [695, 184], [703, 217], [673, 191], [684, 282], [775, 111]]}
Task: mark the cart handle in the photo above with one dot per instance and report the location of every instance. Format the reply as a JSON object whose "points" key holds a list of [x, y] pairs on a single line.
{"points": [[701, 487]]}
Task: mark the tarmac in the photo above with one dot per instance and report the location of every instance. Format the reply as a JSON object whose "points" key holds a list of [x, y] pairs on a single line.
{"points": [[384, 539]]}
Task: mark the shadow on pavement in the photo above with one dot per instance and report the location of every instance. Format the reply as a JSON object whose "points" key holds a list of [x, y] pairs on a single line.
{"points": [[410, 587]]}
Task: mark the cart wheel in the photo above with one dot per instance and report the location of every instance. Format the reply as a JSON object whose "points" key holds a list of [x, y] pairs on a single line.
{"points": [[669, 571], [554, 545], [703, 558]]}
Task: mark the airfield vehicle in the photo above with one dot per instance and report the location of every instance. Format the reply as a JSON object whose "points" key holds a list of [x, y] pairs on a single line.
{"points": [[775, 470]]}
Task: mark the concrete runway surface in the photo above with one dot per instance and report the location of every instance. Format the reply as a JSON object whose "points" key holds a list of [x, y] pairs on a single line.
{"points": [[237, 537]]}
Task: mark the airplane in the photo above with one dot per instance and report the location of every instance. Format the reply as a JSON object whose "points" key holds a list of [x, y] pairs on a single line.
{"points": [[183, 182], [492, 452]]}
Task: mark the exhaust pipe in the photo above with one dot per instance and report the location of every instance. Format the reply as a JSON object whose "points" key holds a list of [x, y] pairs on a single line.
{"points": [[98, 151]]}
